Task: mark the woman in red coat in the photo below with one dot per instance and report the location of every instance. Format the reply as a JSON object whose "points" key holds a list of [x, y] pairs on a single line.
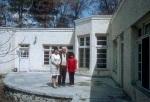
{"points": [[71, 68]]}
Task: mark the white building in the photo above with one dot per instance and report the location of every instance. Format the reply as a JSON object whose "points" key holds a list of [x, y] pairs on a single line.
{"points": [[117, 46]]}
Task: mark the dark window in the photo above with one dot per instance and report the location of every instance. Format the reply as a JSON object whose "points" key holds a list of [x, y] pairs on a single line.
{"points": [[101, 58], [147, 29], [101, 40]]}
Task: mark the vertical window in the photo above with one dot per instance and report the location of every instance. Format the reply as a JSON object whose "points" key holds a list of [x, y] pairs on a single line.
{"points": [[139, 62], [101, 52], [139, 32], [46, 55], [144, 58], [101, 58], [84, 52], [115, 55], [147, 29]]}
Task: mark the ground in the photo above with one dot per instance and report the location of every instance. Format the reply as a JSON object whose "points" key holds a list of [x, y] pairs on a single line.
{"points": [[86, 89], [3, 97]]}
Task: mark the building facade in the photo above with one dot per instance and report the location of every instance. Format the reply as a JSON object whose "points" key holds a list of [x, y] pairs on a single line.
{"points": [[115, 46]]}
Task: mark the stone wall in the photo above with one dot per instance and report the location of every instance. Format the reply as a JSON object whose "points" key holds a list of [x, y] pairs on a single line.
{"points": [[19, 96]]}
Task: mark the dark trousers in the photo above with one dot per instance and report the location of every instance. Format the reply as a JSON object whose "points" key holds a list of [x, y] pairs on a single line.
{"points": [[62, 76], [71, 78]]}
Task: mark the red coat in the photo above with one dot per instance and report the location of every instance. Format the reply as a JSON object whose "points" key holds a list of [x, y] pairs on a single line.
{"points": [[71, 65]]}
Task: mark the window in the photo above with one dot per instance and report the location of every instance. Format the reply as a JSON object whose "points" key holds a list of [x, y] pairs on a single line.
{"points": [[46, 55], [84, 52], [101, 52], [147, 29], [48, 51], [101, 58], [24, 51], [139, 62], [143, 70], [101, 40], [115, 55]]}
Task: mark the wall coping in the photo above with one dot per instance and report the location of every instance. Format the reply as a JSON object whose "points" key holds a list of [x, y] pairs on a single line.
{"points": [[94, 17], [39, 29]]}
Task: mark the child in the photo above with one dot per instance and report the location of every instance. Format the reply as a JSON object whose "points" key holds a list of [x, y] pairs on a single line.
{"points": [[71, 68]]}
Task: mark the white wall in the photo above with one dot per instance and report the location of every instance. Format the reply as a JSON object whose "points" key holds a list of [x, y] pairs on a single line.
{"points": [[91, 26], [6, 46], [44, 36], [129, 15]]}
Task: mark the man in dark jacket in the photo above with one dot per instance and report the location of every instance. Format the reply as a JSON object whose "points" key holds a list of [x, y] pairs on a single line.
{"points": [[62, 76]]}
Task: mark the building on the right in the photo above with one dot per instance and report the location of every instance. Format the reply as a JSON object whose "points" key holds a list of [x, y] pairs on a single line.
{"points": [[130, 48]]}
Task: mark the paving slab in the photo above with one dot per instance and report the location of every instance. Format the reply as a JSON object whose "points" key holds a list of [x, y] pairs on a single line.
{"points": [[86, 89]]}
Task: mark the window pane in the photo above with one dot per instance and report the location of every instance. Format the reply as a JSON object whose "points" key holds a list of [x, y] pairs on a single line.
{"points": [[101, 50], [46, 55], [139, 69], [54, 47], [101, 43], [87, 41], [139, 76], [148, 29], [70, 47], [81, 41], [140, 58], [81, 65], [46, 63], [139, 47], [101, 65], [87, 65], [46, 59], [46, 47], [81, 55], [46, 52], [139, 32], [101, 38], [101, 55], [101, 60]]}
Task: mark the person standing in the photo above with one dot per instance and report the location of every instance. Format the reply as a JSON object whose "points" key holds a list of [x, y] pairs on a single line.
{"points": [[71, 68], [55, 59], [62, 76]]}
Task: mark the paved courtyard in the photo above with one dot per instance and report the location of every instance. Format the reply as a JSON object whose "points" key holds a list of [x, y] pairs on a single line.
{"points": [[86, 89]]}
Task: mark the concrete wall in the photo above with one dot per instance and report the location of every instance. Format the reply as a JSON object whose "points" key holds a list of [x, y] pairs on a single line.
{"points": [[92, 27], [54, 37], [124, 22], [6, 50]]}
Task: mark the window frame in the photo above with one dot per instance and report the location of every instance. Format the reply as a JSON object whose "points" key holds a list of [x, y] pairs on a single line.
{"points": [[139, 41], [51, 49], [24, 48], [101, 47], [85, 46]]}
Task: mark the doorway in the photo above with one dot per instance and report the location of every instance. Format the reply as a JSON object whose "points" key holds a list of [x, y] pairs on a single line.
{"points": [[24, 59]]}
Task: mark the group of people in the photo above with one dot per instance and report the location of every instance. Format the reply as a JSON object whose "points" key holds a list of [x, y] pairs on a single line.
{"points": [[61, 63]]}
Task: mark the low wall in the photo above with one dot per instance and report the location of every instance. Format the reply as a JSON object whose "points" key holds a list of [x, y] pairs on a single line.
{"points": [[19, 96]]}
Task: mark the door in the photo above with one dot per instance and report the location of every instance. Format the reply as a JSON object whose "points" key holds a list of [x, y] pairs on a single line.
{"points": [[24, 60]]}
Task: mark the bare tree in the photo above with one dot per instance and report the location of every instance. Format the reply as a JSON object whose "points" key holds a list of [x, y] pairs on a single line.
{"points": [[6, 46], [105, 7], [3, 12]]}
